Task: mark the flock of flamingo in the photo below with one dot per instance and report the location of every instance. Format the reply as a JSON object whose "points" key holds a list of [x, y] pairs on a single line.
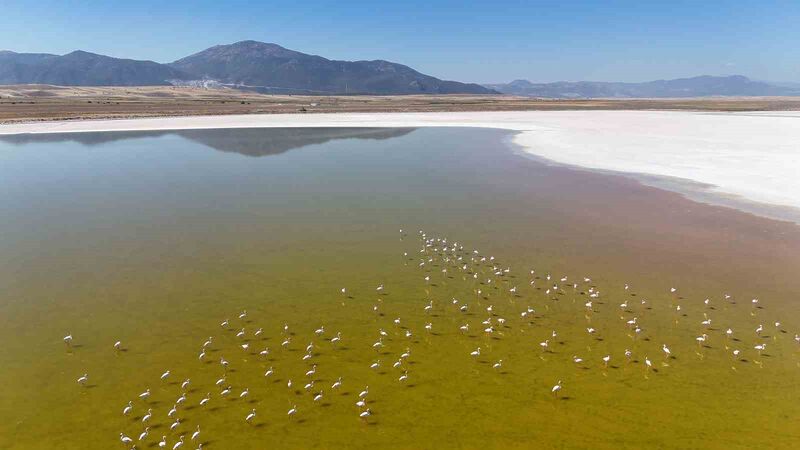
{"points": [[497, 306]]}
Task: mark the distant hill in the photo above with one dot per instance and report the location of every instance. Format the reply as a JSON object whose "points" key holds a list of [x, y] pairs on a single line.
{"points": [[702, 86], [271, 67], [247, 65], [81, 68]]}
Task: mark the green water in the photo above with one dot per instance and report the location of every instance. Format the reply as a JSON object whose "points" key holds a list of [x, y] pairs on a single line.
{"points": [[154, 239]]}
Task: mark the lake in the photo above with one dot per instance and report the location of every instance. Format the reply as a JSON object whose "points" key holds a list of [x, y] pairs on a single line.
{"points": [[155, 239]]}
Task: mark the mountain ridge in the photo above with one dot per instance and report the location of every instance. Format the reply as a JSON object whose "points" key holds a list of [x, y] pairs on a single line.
{"points": [[252, 65], [699, 86]]}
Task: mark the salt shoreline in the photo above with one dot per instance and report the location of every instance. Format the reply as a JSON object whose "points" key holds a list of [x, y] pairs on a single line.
{"points": [[748, 161]]}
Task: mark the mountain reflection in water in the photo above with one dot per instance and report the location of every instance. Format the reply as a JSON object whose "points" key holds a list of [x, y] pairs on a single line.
{"points": [[253, 142]]}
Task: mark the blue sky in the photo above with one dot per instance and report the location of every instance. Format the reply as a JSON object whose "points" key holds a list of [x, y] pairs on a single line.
{"points": [[479, 41]]}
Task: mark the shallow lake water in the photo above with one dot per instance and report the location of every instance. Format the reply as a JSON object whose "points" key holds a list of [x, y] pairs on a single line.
{"points": [[154, 239]]}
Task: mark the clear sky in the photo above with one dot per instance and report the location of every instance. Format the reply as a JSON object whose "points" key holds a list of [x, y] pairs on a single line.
{"points": [[480, 41]]}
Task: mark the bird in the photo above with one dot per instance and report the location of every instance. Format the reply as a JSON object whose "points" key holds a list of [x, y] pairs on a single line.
{"points": [[145, 395], [606, 359], [175, 425], [164, 375], [147, 416], [244, 393], [364, 393], [127, 410], [144, 433], [125, 439], [68, 340], [205, 399], [403, 377], [556, 388], [337, 384], [118, 345], [185, 384], [498, 364], [269, 372], [665, 349], [701, 339], [83, 379], [576, 359], [163, 442], [178, 444], [318, 397], [364, 414], [250, 416], [195, 434], [292, 411], [476, 352]]}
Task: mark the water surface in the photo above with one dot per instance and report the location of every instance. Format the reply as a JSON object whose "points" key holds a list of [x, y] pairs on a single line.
{"points": [[155, 238]]}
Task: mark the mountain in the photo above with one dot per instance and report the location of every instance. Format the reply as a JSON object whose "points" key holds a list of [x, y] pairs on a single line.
{"points": [[270, 67], [81, 68], [702, 86], [246, 65]]}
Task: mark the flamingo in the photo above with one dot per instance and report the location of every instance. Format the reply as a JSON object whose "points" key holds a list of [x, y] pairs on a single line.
{"points": [[555, 389]]}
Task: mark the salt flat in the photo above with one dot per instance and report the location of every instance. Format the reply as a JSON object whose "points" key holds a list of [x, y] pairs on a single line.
{"points": [[746, 160]]}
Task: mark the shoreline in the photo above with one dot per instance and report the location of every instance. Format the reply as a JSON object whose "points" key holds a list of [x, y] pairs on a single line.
{"points": [[709, 157]]}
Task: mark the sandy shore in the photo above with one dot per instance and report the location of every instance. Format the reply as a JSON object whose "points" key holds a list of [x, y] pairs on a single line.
{"points": [[743, 160]]}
